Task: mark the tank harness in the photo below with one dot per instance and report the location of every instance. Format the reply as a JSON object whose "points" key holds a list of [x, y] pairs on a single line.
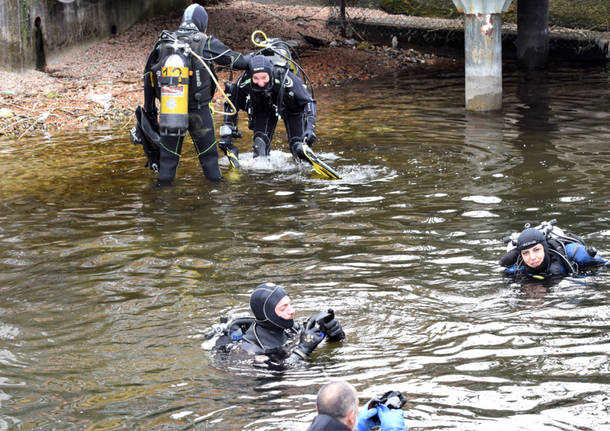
{"points": [[229, 332]]}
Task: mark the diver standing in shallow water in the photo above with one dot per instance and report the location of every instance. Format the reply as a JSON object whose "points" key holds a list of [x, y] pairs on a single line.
{"points": [[546, 251], [266, 93], [179, 73], [273, 339]]}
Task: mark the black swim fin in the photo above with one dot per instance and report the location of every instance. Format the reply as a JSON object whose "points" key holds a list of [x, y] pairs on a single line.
{"points": [[318, 165]]}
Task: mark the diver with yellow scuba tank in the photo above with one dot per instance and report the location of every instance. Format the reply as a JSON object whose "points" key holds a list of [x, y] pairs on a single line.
{"points": [[273, 87], [179, 74]]}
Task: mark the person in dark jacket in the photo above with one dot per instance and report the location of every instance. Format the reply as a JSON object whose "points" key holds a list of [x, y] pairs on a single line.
{"points": [[267, 93], [337, 407], [191, 47]]}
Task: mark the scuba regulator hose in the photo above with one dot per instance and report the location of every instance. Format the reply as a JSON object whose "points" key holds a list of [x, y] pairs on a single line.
{"points": [[217, 84]]}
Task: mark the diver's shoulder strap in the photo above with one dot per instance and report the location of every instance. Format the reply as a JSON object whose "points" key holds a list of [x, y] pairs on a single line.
{"points": [[197, 41]]}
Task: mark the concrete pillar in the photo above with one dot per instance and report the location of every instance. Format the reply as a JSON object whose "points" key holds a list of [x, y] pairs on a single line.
{"points": [[483, 52], [483, 60], [533, 33]]}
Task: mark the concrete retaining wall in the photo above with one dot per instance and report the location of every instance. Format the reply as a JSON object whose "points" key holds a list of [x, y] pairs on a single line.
{"points": [[33, 30], [447, 38]]}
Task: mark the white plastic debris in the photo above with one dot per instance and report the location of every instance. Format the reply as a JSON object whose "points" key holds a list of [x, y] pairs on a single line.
{"points": [[102, 99]]}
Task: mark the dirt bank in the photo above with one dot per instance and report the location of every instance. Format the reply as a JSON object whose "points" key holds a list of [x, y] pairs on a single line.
{"points": [[101, 84]]}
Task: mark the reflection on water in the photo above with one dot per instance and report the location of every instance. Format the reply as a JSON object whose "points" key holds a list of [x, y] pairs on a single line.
{"points": [[108, 285]]}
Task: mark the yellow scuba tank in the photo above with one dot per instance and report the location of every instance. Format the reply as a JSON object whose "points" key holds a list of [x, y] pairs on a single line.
{"points": [[174, 86]]}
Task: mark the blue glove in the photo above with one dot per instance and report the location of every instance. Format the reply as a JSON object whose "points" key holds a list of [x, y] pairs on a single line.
{"points": [[367, 418], [391, 419]]}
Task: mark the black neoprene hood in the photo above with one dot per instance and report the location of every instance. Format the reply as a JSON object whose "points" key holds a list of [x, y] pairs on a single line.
{"points": [[197, 15], [529, 238], [258, 64], [263, 300]]}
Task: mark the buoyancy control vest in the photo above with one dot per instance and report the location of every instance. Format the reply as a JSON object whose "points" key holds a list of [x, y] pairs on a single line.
{"points": [[228, 340], [567, 250]]}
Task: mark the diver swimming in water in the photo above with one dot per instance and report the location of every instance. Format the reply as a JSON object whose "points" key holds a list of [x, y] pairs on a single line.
{"points": [[547, 251], [272, 339]]}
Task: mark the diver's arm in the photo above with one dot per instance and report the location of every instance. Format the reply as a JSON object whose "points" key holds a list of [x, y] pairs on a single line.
{"points": [[229, 130], [225, 56], [302, 100], [510, 258], [309, 340], [237, 96], [311, 115]]}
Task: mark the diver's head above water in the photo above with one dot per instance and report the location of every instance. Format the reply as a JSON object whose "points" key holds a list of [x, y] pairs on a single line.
{"points": [[196, 15], [261, 70], [272, 307], [533, 248]]}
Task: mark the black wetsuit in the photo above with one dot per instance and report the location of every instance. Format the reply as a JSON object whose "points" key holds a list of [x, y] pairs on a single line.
{"points": [[273, 340], [326, 423], [274, 347], [287, 97], [201, 91]]}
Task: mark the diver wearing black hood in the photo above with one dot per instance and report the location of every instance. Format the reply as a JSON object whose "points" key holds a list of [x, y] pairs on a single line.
{"points": [[534, 252], [273, 336], [269, 329], [548, 251], [266, 93], [191, 47]]}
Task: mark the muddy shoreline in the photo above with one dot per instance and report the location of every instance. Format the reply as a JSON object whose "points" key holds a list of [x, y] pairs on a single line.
{"points": [[100, 85]]}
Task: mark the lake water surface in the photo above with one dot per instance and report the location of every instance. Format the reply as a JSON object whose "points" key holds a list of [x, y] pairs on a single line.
{"points": [[107, 284]]}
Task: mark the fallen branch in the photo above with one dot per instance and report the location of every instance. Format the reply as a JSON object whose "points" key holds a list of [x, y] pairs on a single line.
{"points": [[14, 124], [127, 124], [40, 119]]}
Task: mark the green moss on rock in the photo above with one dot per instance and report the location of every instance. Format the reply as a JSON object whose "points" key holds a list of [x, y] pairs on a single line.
{"points": [[427, 8], [393, 6], [582, 14]]}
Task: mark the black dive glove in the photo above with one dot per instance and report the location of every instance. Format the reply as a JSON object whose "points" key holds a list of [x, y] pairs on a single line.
{"points": [[326, 323], [309, 136], [310, 338], [334, 331]]}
